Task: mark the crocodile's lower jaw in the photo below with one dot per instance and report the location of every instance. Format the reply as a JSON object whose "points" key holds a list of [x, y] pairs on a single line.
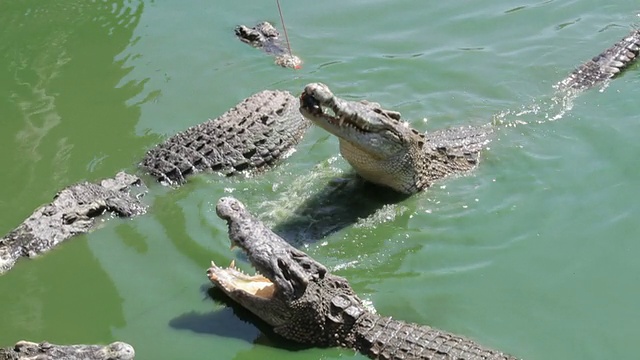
{"points": [[232, 280]]}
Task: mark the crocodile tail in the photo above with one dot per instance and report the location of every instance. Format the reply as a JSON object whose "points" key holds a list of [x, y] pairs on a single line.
{"points": [[605, 66]]}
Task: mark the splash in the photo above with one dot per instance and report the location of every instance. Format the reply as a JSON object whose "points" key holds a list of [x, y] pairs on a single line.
{"points": [[541, 111]]}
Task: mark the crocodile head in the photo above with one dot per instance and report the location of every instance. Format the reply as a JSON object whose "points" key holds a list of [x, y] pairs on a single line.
{"points": [[385, 149], [378, 144], [292, 292], [258, 35], [265, 36]]}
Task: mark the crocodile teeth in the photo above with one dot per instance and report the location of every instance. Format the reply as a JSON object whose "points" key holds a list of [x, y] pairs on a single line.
{"points": [[233, 264], [233, 246]]}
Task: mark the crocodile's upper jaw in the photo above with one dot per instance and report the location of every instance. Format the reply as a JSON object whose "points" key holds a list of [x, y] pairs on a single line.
{"points": [[380, 146]]}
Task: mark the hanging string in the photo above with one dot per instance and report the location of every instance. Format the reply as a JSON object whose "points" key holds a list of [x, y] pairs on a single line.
{"points": [[284, 28]]}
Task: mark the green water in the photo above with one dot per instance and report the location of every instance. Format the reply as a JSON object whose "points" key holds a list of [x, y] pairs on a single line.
{"points": [[535, 253]]}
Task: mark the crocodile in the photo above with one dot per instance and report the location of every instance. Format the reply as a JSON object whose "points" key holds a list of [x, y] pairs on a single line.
{"points": [[26, 350], [265, 36], [73, 211], [304, 302], [252, 136], [386, 150]]}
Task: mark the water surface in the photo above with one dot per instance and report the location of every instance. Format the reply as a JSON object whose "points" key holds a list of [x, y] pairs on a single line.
{"points": [[534, 253]]}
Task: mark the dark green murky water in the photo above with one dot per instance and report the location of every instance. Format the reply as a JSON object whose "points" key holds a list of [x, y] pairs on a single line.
{"points": [[535, 253]]}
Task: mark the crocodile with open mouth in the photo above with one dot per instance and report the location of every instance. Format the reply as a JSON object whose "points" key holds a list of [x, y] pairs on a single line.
{"points": [[304, 302]]}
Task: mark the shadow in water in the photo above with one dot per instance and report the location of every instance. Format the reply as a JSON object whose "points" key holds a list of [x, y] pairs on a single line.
{"points": [[232, 322], [339, 204]]}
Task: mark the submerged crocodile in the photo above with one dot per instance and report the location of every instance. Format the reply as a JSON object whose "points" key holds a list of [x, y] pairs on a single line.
{"points": [[386, 150], [265, 36], [306, 303], [26, 350], [252, 136]]}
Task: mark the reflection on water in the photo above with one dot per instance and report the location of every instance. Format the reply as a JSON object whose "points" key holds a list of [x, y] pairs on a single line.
{"points": [[51, 68], [34, 102]]}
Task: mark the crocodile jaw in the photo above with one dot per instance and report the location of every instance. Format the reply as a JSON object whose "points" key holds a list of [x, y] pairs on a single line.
{"points": [[236, 283], [365, 125], [363, 122], [255, 293]]}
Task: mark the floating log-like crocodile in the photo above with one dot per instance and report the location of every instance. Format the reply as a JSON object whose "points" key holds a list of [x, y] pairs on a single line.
{"points": [[26, 350], [265, 36], [73, 211]]}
